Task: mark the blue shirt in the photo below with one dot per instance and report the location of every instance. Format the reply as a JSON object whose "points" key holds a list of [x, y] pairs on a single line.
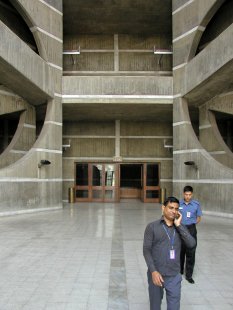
{"points": [[190, 211]]}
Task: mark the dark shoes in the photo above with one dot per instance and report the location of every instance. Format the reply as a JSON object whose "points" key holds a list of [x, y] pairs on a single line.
{"points": [[190, 280]]}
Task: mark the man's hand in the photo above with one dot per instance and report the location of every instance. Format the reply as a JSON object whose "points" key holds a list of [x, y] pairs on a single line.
{"points": [[157, 278], [178, 219]]}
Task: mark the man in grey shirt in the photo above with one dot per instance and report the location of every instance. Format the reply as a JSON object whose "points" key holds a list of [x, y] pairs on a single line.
{"points": [[161, 250]]}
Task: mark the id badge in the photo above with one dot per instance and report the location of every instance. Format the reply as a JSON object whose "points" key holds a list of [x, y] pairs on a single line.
{"points": [[172, 254], [188, 214]]}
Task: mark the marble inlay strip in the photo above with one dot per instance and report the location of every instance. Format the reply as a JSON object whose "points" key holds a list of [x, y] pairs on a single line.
{"points": [[119, 96], [166, 180], [88, 158], [57, 95], [187, 151], [47, 150], [115, 73], [182, 7], [179, 66], [29, 126], [54, 123], [117, 294], [51, 7], [205, 181], [150, 159], [126, 159], [22, 180], [177, 96], [54, 66], [146, 137], [18, 151], [181, 123], [35, 28], [204, 126], [217, 153], [200, 28]]}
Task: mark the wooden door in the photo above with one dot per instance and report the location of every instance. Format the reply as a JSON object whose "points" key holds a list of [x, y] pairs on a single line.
{"points": [[97, 182], [130, 180], [111, 183], [82, 187], [151, 189]]}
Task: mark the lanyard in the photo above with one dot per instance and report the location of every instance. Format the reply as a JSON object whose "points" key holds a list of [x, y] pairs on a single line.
{"points": [[173, 237]]}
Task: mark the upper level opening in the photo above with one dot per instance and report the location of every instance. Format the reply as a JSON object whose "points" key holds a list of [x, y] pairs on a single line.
{"points": [[225, 126], [117, 38], [13, 20], [219, 22]]}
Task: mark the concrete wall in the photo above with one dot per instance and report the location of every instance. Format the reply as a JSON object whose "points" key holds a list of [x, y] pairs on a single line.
{"points": [[103, 141], [196, 80], [116, 85], [210, 136], [37, 79], [116, 54], [89, 141]]}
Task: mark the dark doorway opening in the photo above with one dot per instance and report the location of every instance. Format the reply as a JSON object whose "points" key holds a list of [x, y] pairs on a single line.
{"points": [[131, 176]]}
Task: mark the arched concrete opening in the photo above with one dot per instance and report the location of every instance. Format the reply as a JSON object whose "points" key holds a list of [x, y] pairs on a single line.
{"points": [[206, 22]]}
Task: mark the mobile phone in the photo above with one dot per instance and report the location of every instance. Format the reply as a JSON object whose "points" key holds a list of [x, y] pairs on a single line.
{"points": [[177, 216]]}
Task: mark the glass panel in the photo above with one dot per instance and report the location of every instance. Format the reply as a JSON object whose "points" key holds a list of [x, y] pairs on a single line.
{"points": [[109, 194], [110, 175], [152, 194], [152, 177], [97, 175], [97, 194], [82, 174], [81, 193]]}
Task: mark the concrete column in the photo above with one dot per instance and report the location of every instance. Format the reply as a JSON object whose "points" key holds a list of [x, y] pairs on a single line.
{"points": [[116, 53], [117, 138]]}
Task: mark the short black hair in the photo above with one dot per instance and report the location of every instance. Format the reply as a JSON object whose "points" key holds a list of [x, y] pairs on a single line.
{"points": [[188, 188], [170, 199]]}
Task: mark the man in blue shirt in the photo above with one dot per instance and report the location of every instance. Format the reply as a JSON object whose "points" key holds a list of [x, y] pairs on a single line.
{"points": [[191, 215]]}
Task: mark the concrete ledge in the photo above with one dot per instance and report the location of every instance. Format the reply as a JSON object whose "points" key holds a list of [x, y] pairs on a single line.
{"points": [[18, 65], [207, 74], [112, 86]]}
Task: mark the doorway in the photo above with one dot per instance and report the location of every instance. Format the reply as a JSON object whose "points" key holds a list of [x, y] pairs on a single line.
{"points": [[131, 180], [96, 182], [110, 182]]}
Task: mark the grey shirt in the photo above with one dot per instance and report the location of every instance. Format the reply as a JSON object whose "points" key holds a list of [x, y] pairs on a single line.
{"points": [[157, 244]]}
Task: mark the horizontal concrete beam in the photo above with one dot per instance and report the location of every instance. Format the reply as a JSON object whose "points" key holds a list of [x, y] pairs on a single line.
{"points": [[22, 70], [117, 86]]}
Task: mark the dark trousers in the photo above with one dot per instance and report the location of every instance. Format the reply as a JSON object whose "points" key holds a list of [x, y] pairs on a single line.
{"points": [[172, 285], [187, 256]]}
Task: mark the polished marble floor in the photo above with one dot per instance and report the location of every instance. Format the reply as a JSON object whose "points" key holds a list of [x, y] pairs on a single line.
{"points": [[89, 256]]}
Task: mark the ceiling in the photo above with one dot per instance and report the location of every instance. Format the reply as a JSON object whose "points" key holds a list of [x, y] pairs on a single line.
{"points": [[107, 17], [117, 16]]}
